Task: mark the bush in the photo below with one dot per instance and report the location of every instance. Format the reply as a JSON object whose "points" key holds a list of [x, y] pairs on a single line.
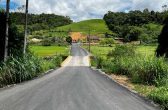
{"points": [[17, 70], [46, 42], [160, 95], [107, 41], [99, 61], [122, 51], [147, 70]]}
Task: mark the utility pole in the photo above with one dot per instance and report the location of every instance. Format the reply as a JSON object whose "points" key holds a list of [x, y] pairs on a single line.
{"points": [[89, 39], [25, 36], [7, 30]]}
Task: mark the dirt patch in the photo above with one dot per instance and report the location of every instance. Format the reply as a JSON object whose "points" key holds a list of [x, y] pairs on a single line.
{"points": [[143, 90], [124, 80], [77, 36]]}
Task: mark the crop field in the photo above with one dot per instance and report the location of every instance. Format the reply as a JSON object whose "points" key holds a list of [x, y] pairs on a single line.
{"points": [[44, 51]]}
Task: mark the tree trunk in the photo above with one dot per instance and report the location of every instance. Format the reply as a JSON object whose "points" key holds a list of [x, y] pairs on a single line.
{"points": [[7, 30], [25, 37]]}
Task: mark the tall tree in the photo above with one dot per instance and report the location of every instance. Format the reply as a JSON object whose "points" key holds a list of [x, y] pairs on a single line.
{"points": [[162, 49], [25, 37], [7, 30]]}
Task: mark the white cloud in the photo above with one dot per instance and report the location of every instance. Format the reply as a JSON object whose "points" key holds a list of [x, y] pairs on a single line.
{"points": [[86, 9]]}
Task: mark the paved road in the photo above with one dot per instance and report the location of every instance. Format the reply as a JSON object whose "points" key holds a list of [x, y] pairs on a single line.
{"points": [[72, 87]]}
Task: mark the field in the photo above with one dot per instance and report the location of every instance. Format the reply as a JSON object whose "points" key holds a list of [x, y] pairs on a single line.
{"points": [[44, 51], [97, 27], [103, 51]]}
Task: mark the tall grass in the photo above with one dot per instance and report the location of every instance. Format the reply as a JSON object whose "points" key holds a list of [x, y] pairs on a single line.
{"points": [[147, 70], [160, 95], [16, 70]]}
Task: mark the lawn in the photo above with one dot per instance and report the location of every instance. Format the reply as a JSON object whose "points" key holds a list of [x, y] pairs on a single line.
{"points": [[44, 51]]}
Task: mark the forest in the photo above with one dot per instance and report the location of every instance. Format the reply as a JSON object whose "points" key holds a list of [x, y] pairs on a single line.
{"points": [[136, 25], [40, 21]]}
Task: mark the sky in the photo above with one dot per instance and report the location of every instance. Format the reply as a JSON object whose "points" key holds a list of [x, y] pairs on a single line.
{"points": [[80, 10]]}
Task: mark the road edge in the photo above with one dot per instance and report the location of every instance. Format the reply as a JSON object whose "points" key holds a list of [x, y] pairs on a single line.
{"points": [[38, 77], [147, 100], [66, 61]]}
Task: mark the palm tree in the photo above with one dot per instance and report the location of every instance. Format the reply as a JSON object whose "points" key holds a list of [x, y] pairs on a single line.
{"points": [[25, 37], [7, 30]]}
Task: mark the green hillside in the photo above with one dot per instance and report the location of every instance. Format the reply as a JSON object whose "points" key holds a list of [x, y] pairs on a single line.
{"points": [[97, 27]]}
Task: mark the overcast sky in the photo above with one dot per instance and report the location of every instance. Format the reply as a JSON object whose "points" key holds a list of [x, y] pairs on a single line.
{"points": [[86, 9]]}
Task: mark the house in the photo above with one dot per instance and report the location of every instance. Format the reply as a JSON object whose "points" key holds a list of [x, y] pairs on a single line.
{"points": [[93, 39]]}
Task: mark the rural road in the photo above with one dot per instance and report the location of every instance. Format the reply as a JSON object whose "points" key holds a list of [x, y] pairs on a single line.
{"points": [[75, 86]]}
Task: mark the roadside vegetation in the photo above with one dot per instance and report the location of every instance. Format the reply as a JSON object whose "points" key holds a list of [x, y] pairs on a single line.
{"points": [[139, 54], [43, 52], [141, 69], [17, 70]]}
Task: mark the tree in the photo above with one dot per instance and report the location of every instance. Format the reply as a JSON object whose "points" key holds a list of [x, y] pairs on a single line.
{"points": [[134, 33], [162, 49], [15, 38], [69, 39], [25, 38], [7, 30]]}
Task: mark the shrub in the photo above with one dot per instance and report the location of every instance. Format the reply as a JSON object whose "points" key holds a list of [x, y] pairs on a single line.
{"points": [[46, 42], [99, 61], [160, 95], [147, 70], [17, 70], [122, 51]]}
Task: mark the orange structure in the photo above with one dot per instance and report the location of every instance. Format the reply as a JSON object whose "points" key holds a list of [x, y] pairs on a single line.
{"points": [[77, 36]]}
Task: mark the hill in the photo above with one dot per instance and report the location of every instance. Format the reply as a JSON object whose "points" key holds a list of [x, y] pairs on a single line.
{"points": [[97, 27]]}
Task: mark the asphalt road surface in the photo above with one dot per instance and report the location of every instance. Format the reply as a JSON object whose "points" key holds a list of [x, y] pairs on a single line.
{"points": [[74, 86]]}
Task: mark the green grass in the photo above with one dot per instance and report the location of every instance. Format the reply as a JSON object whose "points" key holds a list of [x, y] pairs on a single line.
{"points": [[147, 50], [49, 33], [44, 51], [103, 51], [97, 27]]}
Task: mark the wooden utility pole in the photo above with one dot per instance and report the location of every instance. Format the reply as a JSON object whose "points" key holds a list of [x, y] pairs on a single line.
{"points": [[7, 30], [89, 39], [25, 36]]}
